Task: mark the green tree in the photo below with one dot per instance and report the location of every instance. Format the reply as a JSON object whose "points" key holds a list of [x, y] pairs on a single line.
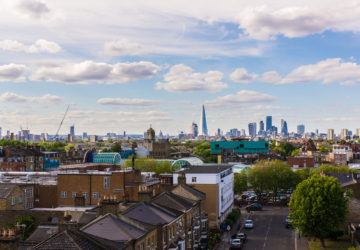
{"points": [[204, 151], [116, 147], [28, 223], [324, 149], [258, 177], [54, 146], [333, 169], [240, 182], [151, 165], [318, 207], [285, 149]]}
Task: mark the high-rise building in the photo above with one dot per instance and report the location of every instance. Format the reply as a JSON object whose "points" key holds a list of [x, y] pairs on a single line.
{"points": [[330, 134], [243, 133], [261, 126], [301, 129], [204, 130], [218, 132], [85, 135], [284, 128], [252, 129], [194, 130], [0, 133], [268, 123], [358, 132], [344, 133], [72, 131]]}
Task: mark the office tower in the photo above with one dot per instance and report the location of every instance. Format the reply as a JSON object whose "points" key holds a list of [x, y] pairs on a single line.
{"points": [[317, 132], [243, 133], [8, 134], [194, 130], [330, 134], [268, 123], [72, 131], [284, 128], [358, 132], [85, 135], [124, 135], [301, 129], [261, 126], [218, 132], [0, 133], [344, 133], [274, 130], [25, 134], [204, 130], [252, 129]]}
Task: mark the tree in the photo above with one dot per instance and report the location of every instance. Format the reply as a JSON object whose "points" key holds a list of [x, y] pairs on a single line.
{"points": [[333, 169], [151, 165], [204, 151], [240, 182], [285, 149], [116, 147], [318, 207]]}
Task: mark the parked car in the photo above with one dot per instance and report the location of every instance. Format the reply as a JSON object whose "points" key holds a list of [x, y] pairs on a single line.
{"points": [[283, 197], [236, 244], [253, 207], [249, 224], [241, 236]]}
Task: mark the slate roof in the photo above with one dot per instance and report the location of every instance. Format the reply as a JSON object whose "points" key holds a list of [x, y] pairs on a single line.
{"points": [[149, 213], [343, 178], [86, 217], [70, 240], [173, 202], [112, 228], [42, 233], [188, 192], [6, 189], [206, 169]]}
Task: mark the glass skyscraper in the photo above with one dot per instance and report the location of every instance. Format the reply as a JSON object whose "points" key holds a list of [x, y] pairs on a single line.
{"points": [[203, 124], [268, 123]]}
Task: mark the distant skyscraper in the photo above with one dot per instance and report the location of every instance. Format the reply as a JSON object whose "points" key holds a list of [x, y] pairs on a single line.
{"points": [[0, 133], [261, 126], [344, 133], [284, 128], [194, 130], [72, 131], [204, 130], [243, 133], [330, 134], [252, 129], [358, 132], [301, 129], [85, 135], [268, 123]]}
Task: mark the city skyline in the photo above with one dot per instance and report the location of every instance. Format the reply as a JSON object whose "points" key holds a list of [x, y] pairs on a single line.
{"points": [[119, 73]]}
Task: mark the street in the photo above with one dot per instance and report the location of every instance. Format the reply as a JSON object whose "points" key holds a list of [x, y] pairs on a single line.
{"points": [[269, 232]]}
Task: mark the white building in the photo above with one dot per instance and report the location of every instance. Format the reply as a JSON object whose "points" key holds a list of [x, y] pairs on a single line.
{"points": [[344, 150], [217, 182]]}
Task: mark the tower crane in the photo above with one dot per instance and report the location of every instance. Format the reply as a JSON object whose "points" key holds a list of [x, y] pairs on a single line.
{"points": [[57, 132]]}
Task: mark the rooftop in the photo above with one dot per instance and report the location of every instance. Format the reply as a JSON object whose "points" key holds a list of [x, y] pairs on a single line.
{"points": [[207, 169]]}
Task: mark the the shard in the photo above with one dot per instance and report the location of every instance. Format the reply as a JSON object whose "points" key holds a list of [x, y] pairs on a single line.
{"points": [[204, 130]]}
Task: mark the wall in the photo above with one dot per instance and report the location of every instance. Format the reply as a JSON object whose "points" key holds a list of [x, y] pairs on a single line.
{"points": [[46, 196], [41, 217]]}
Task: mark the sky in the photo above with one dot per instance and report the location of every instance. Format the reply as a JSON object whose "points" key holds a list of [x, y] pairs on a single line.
{"points": [[126, 65]]}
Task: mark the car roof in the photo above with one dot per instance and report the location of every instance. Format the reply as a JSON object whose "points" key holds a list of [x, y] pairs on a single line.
{"points": [[248, 221]]}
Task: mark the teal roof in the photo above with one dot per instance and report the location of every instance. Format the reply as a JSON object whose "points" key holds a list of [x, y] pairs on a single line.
{"points": [[187, 161], [112, 158], [240, 147]]}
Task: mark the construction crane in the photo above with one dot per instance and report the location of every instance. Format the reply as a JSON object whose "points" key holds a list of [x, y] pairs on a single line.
{"points": [[57, 132]]}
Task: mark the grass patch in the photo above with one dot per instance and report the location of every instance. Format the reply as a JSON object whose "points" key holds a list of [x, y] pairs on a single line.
{"points": [[342, 243]]}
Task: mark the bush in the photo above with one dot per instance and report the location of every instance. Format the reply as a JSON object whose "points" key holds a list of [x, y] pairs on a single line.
{"points": [[336, 233]]}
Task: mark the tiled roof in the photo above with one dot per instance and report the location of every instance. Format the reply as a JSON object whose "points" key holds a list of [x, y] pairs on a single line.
{"points": [[112, 228], [70, 240], [188, 192], [343, 178], [149, 213], [206, 169], [173, 201], [42, 233]]}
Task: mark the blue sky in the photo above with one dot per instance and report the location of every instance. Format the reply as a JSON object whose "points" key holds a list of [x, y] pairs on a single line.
{"points": [[128, 64]]}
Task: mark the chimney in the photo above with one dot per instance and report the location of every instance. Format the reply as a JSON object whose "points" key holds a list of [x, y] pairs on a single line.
{"points": [[108, 205]]}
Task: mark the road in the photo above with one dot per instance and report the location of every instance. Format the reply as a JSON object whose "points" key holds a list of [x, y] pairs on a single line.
{"points": [[269, 232]]}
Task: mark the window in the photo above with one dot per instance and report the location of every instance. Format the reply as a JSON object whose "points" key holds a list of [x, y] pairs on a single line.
{"points": [[73, 194], [85, 194], [193, 179], [95, 195], [29, 193], [63, 194], [13, 201], [106, 182], [20, 199]]}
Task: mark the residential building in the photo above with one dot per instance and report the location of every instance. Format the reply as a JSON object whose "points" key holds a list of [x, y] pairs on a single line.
{"points": [[330, 134], [341, 154], [344, 134], [16, 196], [217, 183], [31, 156], [299, 162], [358, 132]]}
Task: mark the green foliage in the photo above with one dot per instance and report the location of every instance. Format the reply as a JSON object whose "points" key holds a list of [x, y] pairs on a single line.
{"points": [[69, 146], [116, 147], [151, 165], [295, 152], [54, 146], [204, 151], [4, 142], [29, 223], [303, 174], [272, 175], [333, 169], [318, 206], [240, 182], [232, 217], [285, 149], [324, 149]]}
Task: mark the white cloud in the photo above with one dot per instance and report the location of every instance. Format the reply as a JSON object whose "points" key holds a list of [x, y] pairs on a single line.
{"points": [[45, 99], [33, 8], [12, 73], [39, 46], [240, 98], [140, 103], [89, 72], [181, 78], [332, 70], [124, 47], [241, 75], [264, 23]]}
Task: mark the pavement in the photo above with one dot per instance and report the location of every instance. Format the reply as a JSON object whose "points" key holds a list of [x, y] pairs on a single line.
{"points": [[269, 232]]}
